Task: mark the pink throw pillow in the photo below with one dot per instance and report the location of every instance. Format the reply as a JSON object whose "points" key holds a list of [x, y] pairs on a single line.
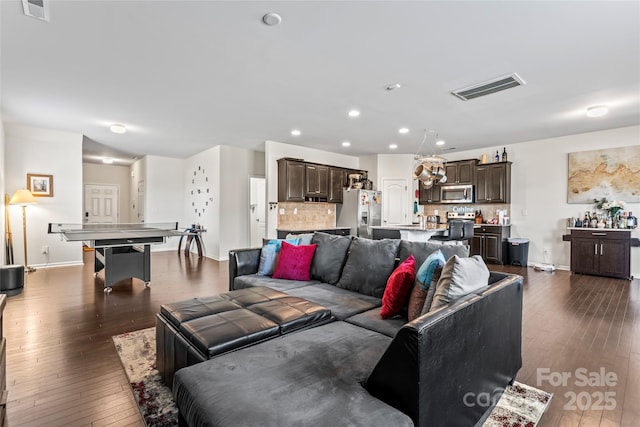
{"points": [[399, 285], [294, 262]]}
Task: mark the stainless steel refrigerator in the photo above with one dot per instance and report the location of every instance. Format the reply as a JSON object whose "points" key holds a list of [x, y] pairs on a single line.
{"points": [[360, 210]]}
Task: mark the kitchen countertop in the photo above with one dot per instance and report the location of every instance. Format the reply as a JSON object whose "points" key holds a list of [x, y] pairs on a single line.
{"points": [[602, 229], [412, 227], [311, 230]]}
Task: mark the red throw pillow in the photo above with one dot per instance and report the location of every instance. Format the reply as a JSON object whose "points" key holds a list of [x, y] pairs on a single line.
{"points": [[399, 285], [294, 262]]}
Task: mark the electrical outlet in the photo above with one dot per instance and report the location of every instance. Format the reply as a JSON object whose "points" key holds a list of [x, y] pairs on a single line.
{"points": [[45, 249]]}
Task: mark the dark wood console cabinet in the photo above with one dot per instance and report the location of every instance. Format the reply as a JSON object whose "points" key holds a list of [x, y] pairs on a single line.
{"points": [[490, 241], [601, 253], [493, 182]]}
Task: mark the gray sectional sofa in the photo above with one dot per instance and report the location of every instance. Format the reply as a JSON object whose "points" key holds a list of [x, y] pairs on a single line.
{"points": [[357, 369]]}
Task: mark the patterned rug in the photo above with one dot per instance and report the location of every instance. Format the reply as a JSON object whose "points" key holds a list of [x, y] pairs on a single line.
{"points": [[520, 405]]}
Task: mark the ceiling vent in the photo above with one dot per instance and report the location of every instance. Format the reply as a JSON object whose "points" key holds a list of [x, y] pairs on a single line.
{"points": [[489, 87], [38, 9]]}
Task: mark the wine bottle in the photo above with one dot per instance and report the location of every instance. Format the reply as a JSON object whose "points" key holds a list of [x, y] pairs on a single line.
{"points": [[504, 154], [497, 156]]}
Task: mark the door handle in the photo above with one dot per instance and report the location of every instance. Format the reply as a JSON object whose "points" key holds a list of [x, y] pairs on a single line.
{"points": [[595, 249], [601, 248]]}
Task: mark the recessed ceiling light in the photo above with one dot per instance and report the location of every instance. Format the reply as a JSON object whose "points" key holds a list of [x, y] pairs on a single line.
{"points": [[295, 132], [107, 160], [346, 144], [597, 111], [393, 146], [403, 130], [440, 142], [272, 19], [354, 113], [393, 86], [117, 128]]}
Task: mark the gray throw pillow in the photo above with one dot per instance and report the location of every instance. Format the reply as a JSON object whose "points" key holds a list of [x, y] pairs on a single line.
{"points": [[329, 258], [421, 250], [305, 238], [460, 277], [369, 265]]}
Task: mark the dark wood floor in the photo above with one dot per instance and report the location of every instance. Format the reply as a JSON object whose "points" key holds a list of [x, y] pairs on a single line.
{"points": [[62, 368]]}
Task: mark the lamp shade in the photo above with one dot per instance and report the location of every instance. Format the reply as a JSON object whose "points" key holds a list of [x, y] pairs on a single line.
{"points": [[22, 197]]}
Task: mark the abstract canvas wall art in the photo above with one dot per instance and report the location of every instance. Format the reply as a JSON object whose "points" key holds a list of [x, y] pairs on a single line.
{"points": [[613, 173]]}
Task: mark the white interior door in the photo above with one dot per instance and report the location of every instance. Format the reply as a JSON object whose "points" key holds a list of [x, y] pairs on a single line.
{"points": [[101, 203], [395, 201], [257, 211]]}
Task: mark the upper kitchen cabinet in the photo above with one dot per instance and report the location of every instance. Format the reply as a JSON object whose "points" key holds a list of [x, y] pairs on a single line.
{"points": [[493, 182], [460, 172], [429, 195], [317, 180], [336, 184], [291, 182]]}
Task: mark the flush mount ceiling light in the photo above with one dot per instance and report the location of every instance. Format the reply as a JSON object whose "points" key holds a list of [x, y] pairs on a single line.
{"points": [[354, 113], [107, 160], [403, 130], [439, 141], [117, 128], [393, 146], [346, 144], [271, 19], [295, 132], [597, 111]]}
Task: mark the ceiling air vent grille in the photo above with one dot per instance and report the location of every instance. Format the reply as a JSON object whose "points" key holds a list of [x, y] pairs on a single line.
{"points": [[38, 9], [489, 87]]}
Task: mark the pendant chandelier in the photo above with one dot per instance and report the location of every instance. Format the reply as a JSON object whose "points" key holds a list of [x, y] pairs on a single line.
{"points": [[429, 170]]}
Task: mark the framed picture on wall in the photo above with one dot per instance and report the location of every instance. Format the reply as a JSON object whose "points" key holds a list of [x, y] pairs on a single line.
{"points": [[40, 185]]}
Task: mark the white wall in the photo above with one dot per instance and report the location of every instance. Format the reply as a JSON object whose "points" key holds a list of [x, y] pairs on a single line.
{"points": [[35, 150], [539, 208], [276, 150], [210, 218], [226, 217], [164, 195], [94, 173], [137, 172]]}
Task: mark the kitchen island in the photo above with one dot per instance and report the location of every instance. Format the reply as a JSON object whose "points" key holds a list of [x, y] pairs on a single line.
{"points": [[410, 232]]}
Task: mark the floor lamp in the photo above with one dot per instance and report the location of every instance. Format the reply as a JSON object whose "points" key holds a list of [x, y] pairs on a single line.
{"points": [[23, 198]]}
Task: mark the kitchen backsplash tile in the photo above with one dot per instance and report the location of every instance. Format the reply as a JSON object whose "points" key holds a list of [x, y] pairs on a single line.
{"points": [[305, 216]]}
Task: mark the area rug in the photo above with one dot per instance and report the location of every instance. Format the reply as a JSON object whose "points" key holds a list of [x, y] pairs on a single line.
{"points": [[520, 405]]}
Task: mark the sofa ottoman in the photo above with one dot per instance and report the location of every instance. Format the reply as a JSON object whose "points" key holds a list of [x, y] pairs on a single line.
{"points": [[195, 330], [311, 378]]}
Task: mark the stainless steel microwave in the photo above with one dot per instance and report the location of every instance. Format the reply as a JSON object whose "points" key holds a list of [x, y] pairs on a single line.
{"points": [[456, 194]]}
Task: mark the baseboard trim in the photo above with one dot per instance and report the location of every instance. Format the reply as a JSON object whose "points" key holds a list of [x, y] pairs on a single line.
{"points": [[58, 264]]}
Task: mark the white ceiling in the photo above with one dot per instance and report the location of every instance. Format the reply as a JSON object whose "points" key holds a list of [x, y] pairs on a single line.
{"points": [[186, 76]]}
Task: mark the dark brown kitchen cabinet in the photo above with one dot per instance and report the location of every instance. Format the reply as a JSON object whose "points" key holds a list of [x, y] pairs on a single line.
{"points": [[460, 172], [601, 253], [429, 195], [291, 181], [336, 185], [490, 243], [316, 180], [493, 182]]}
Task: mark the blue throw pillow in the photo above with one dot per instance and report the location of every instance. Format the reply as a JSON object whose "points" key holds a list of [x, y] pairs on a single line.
{"points": [[269, 255], [424, 276]]}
